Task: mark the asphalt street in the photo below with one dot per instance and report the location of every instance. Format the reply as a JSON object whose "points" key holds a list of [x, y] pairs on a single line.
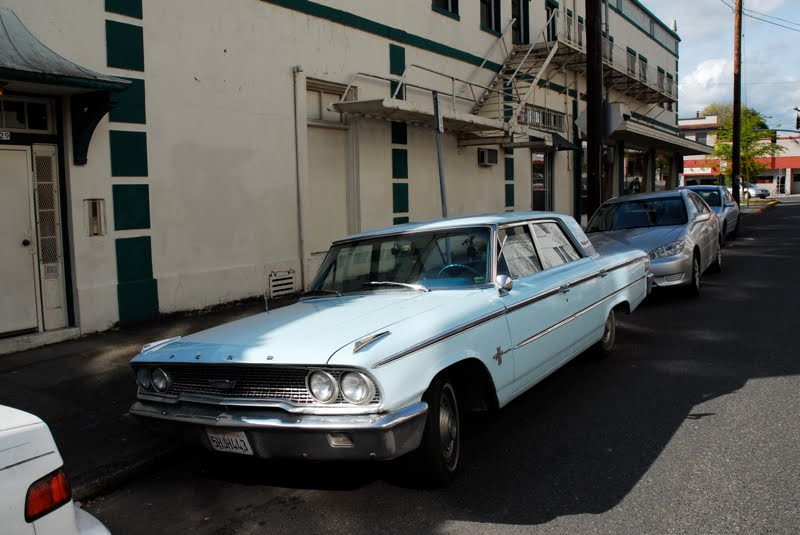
{"points": [[691, 426]]}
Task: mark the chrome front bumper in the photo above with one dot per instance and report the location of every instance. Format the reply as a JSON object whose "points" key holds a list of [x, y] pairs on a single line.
{"points": [[274, 433]]}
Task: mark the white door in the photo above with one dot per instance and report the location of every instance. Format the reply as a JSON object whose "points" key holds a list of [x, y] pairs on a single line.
{"points": [[326, 207], [18, 312]]}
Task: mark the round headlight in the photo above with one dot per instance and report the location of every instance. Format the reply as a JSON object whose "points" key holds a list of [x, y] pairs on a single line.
{"points": [[322, 386], [160, 380], [357, 388], [143, 378]]}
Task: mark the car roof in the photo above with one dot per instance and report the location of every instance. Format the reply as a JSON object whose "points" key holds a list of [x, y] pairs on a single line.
{"points": [[456, 222], [650, 195], [705, 187]]}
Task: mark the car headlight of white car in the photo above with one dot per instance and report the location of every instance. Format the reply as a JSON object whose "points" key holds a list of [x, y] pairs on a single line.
{"points": [[323, 386], [356, 387], [670, 249]]}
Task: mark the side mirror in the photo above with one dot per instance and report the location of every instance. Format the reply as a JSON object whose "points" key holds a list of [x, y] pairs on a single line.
{"points": [[730, 204], [504, 282], [703, 217]]}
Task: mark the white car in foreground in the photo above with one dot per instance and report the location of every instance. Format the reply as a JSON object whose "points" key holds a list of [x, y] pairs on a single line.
{"points": [[35, 495]]}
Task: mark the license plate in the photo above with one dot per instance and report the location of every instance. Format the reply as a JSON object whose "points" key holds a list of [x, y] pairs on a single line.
{"points": [[229, 441]]}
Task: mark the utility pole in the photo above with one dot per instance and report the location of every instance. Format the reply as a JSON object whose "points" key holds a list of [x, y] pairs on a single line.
{"points": [[737, 102], [594, 104]]}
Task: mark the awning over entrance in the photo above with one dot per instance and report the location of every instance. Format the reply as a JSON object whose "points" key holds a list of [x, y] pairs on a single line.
{"points": [[419, 114], [556, 142], [640, 133], [27, 65]]}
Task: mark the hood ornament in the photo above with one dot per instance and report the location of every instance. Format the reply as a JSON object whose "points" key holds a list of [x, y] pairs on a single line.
{"points": [[364, 342]]}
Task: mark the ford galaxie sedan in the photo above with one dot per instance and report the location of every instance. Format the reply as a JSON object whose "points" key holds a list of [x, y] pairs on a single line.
{"points": [[403, 330]]}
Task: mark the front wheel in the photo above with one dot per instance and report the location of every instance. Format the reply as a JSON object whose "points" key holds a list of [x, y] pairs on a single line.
{"points": [[693, 290], [716, 267], [436, 461]]}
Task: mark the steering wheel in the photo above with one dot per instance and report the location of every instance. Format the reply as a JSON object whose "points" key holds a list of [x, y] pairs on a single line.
{"points": [[454, 266]]}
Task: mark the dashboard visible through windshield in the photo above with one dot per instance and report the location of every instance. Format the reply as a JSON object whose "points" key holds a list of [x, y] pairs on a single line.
{"points": [[416, 260]]}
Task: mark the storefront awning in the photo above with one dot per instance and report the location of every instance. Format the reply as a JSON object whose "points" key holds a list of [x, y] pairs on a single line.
{"points": [[640, 133], [28, 66]]}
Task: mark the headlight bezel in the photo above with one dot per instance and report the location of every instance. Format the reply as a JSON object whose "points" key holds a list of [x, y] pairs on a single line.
{"points": [[334, 383], [367, 381], [162, 375], [667, 250], [143, 380]]}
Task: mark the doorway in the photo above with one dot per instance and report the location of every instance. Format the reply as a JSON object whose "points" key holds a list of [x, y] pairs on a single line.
{"points": [[19, 313], [542, 181], [520, 31]]}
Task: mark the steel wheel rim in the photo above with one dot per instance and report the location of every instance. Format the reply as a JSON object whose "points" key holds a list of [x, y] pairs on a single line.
{"points": [[448, 427]]}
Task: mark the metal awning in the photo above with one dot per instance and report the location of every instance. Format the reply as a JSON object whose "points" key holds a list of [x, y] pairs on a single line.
{"points": [[27, 65], [416, 113], [637, 132]]}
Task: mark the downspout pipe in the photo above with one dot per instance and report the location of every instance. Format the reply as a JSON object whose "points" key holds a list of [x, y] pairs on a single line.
{"points": [[296, 71]]}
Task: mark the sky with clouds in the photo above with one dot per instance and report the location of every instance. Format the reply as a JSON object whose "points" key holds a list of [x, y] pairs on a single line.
{"points": [[770, 55]]}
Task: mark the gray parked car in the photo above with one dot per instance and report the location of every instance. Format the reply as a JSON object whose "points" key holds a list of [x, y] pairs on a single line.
{"points": [[748, 190], [721, 201], [679, 231]]}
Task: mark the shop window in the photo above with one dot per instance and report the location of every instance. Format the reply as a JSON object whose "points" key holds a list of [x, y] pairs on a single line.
{"points": [[24, 115]]}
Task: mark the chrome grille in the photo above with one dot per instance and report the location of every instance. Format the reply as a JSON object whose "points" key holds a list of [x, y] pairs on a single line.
{"points": [[275, 383]]}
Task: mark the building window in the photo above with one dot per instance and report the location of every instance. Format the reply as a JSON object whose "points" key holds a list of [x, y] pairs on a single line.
{"points": [[702, 137], [490, 15], [631, 62], [320, 97], [25, 115], [446, 7]]}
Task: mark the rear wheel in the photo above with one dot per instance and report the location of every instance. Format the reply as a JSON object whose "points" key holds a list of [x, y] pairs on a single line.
{"points": [[735, 230], [724, 234], [436, 461], [605, 346]]}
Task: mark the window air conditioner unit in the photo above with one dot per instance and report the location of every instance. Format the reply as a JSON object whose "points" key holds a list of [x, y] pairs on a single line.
{"points": [[487, 156]]}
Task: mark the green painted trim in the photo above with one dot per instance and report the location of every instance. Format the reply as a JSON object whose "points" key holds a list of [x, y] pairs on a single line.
{"points": [[400, 197], [646, 32], [450, 14], [491, 31], [131, 206], [508, 150], [653, 17], [400, 220], [630, 50], [509, 168], [130, 106], [399, 133], [128, 153], [569, 12], [399, 163], [124, 46], [553, 3], [641, 57], [344, 18], [129, 8], [669, 75], [137, 301], [662, 71], [397, 59], [509, 195], [581, 19], [134, 259]]}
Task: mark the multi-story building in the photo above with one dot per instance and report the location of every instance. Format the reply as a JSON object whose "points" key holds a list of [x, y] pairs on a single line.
{"points": [[780, 176], [162, 156]]}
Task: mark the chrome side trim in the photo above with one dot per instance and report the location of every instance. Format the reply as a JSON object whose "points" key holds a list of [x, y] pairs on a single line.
{"points": [[364, 342], [576, 315], [440, 338], [516, 306]]}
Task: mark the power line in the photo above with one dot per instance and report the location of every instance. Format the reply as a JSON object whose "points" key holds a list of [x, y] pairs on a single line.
{"points": [[772, 17], [745, 83], [763, 20]]}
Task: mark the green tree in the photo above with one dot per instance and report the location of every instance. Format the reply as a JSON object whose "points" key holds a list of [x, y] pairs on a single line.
{"points": [[724, 113], [753, 146]]}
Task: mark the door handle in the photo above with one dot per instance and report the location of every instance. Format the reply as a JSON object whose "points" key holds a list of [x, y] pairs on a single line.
{"points": [[26, 242], [564, 289], [603, 273]]}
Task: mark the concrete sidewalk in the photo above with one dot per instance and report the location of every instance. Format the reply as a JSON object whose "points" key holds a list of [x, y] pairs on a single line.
{"points": [[83, 388]]}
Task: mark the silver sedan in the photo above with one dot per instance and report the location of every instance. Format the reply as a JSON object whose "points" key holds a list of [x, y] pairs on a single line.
{"points": [[720, 200], [681, 233]]}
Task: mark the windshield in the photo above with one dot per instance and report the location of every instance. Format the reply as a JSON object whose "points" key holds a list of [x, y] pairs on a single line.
{"points": [[660, 212], [433, 259], [711, 196]]}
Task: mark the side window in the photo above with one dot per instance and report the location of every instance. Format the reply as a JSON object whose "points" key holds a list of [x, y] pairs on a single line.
{"points": [[518, 255], [691, 208], [701, 205], [554, 245]]}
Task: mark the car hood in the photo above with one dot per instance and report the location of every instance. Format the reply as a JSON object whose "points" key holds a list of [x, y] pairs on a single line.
{"points": [[308, 332], [645, 239]]}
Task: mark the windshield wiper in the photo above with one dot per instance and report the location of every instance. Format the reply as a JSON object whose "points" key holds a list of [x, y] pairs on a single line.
{"points": [[320, 293], [417, 287]]}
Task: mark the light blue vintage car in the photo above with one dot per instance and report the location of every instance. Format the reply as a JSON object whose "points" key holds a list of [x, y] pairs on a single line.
{"points": [[403, 330]]}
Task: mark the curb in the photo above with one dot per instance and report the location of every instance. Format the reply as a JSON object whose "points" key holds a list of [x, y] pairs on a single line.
{"points": [[758, 211], [114, 478]]}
